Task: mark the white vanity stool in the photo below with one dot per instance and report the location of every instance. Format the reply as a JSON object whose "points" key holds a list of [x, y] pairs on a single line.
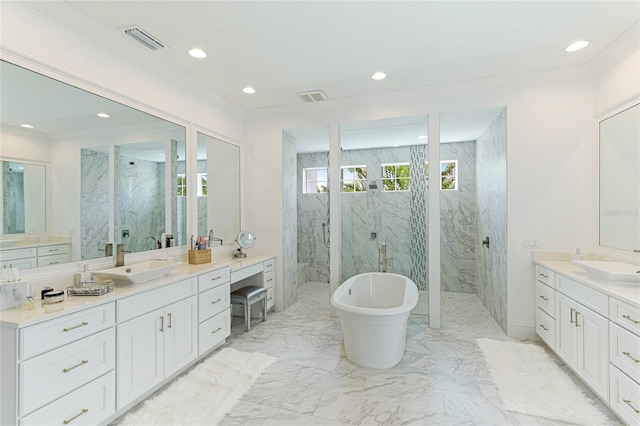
{"points": [[247, 296]]}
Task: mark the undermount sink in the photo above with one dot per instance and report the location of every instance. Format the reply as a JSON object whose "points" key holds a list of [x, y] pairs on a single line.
{"points": [[618, 272], [137, 272]]}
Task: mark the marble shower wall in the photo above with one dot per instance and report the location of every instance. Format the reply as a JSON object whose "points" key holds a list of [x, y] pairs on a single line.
{"points": [[94, 199], [312, 212], [12, 200], [140, 200], [290, 225], [491, 178], [458, 221], [387, 214]]}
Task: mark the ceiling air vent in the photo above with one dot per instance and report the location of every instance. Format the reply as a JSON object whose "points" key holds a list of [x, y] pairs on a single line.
{"points": [[144, 37], [313, 96]]}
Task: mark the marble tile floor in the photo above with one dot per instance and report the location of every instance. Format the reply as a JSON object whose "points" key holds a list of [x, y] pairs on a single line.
{"points": [[442, 379]]}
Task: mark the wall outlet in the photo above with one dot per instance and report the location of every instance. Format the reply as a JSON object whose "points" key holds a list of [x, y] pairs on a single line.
{"points": [[531, 243]]}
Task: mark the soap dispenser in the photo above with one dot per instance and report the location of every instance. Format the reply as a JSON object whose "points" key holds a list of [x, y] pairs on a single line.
{"points": [[85, 277]]}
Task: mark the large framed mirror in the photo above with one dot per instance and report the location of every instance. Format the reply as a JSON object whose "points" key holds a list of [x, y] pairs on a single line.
{"points": [[110, 173], [218, 189], [619, 180]]}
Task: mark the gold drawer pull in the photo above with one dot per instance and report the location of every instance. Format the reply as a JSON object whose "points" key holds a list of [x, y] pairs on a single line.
{"points": [[161, 324], [216, 330], [66, 370], [84, 410], [628, 402], [543, 275], [216, 301], [75, 326], [169, 321], [629, 355], [216, 278], [627, 317], [543, 327], [546, 299]]}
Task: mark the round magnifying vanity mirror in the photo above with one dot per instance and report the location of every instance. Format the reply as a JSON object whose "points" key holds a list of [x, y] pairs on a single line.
{"points": [[245, 240]]}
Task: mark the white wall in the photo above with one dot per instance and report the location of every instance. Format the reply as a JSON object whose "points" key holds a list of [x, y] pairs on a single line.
{"points": [[548, 161]]}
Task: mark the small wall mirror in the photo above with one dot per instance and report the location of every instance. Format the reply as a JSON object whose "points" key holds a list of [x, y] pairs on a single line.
{"points": [[218, 189], [23, 195], [619, 180]]}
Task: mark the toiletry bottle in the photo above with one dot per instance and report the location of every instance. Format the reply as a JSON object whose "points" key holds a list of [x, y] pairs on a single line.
{"points": [[84, 277], [163, 240]]}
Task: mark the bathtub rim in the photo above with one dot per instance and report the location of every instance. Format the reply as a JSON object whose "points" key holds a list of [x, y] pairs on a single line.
{"points": [[410, 299]]}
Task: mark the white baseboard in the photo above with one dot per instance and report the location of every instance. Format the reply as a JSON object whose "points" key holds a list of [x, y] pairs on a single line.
{"points": [[434, 321], [522, 331]]}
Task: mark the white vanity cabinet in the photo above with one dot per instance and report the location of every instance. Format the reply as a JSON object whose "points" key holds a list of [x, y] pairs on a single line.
{"points": [[624, 354], [54, 254], [596, 334], [55, 370], [268, 277], [21, 258], [158, 343], [214, 309]]}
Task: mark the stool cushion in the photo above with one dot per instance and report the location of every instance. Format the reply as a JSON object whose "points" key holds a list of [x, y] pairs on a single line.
{"points": [[248, 292]]}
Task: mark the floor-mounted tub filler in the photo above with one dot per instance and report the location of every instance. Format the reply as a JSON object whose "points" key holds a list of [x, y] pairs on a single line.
{"points": [[373, 309]]}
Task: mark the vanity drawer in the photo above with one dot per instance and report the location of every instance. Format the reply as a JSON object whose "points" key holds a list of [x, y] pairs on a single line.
{"points": [[214, 331], [55, 259], [270, 298], [624, 351], [625, 315], [213, 279], [546, 328], [91, 404], [269, 265], [546, 276], [14, 254], [243, 273], [134, 306], [57, 249], [268, 279], [56, 373], [624, 396], [590, 298], [545, 298], [48, 335], [213, 301]]}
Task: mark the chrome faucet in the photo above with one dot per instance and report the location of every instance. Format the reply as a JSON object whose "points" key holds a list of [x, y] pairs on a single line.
{"points": [[383, 261], [212, 238], [153, 242], [120, 251]]}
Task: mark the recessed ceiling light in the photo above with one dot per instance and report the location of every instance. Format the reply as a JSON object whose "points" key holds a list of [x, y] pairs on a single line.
{"points": [[103, 115], [379, 75], [27, 126], [197, 53], [576, 45], [249, 90]]}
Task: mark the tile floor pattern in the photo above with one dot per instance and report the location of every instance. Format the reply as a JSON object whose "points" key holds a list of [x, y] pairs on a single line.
{"points": [[442, 379]]}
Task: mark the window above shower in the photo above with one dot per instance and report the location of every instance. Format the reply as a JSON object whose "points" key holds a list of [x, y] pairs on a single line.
{"points": [[395, 177], [353, 178], [314, 180]]}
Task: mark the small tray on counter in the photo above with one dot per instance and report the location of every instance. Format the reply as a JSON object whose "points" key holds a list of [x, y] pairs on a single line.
{"points": [[95, 289]]}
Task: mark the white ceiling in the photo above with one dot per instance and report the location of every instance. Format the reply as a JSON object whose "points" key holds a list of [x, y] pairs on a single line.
{"points": [[283, 48]]}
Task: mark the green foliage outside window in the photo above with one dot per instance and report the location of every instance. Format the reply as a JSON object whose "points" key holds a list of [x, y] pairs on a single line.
{"points": [[353, 179], [182, 186], [395, 177]]}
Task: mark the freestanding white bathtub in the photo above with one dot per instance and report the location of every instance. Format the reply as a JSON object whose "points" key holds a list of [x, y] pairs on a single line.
{"points": [[373, 309]]}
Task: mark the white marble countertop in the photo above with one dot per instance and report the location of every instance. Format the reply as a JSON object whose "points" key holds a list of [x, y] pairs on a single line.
{"points": [[627, 293], [18, 318]]}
